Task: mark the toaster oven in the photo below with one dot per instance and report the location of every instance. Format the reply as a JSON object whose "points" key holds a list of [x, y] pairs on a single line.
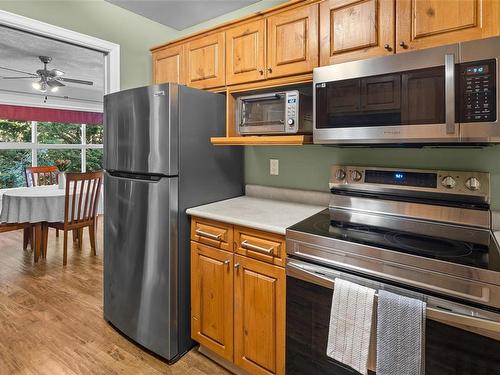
{"points": [[284, 112]]}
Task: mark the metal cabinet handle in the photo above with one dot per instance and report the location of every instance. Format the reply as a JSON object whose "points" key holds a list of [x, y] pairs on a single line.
{"points": [[226, 262], [201, 233], [270, 70], [403, 44], [261, 72], [236, 265], [387, 47], [246, 245]]}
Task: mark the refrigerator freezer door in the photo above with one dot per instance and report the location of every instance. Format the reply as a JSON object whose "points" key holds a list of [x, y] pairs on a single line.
{"points": [[141, 130], [140, 261]]}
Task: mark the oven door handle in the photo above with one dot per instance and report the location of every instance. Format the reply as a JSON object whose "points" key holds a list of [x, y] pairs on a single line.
{"points": [[438, 311]]}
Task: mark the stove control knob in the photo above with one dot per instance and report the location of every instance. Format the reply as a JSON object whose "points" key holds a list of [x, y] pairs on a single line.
{"points": [[340, 174], [473, 184], [356, 175], [448, 182]]}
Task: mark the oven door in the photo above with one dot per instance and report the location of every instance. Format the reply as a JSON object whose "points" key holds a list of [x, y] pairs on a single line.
{"points": [[406, 98], [261, 114], [460, 340]]}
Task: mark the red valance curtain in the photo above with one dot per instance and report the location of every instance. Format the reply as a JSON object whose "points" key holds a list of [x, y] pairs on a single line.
{"points": [[20, 113]]}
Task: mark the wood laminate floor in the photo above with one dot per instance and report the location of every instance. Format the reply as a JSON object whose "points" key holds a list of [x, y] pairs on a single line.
{"points": [[51, 317]]}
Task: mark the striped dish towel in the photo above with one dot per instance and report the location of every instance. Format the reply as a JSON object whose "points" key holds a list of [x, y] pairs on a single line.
{"points": [[350, 324], [400, 335]]}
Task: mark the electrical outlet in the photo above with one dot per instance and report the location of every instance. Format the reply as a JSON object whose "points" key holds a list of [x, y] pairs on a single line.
{"points": [[274, 167]]}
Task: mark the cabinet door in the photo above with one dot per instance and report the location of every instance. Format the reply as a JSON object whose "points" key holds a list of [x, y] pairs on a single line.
{"points": [[246, 52], [259, 319], [293, 42], [429, 23], [169, 66], [212, 299], [355, 29], [205, 59]]}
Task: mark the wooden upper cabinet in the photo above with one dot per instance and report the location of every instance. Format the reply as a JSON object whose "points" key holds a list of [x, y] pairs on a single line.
{"points": [[246, 52], [259, 317], [355, 29], [429, 23], [292, 41], [212, 299], [205, 61], [169, 66]]}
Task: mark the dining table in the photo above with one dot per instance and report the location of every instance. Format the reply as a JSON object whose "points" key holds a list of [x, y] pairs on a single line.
{"points": [[37, 205]]}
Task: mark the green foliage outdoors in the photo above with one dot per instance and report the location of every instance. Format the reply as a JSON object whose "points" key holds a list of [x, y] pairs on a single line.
{"points": [[13, 162]]}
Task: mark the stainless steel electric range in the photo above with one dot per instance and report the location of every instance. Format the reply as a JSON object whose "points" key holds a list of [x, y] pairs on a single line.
{"points": [[420, 233]]}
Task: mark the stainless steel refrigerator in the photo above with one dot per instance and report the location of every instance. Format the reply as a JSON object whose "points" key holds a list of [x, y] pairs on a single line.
{"points": [[159, 162]]}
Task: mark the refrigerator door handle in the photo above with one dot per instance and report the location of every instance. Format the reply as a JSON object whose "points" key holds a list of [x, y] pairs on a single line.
{"points": [[135, 176]]}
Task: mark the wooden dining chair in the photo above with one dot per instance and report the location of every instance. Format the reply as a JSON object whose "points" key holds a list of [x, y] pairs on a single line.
{"points": [[39, 176], [83, 191]]}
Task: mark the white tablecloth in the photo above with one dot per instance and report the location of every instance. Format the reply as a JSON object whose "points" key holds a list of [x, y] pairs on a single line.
{"points": [[34, 204]]}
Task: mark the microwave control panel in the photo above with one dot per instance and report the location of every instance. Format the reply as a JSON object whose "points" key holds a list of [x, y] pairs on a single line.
{"points": [[292, 111], [478, 91]]}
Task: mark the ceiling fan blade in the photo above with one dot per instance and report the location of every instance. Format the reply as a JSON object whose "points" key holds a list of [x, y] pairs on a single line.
{"points": [[19, 71], [17, 77], [79, 81], [55, 83]]}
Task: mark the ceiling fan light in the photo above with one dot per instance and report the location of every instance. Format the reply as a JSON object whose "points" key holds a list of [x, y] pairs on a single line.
{"points": [[54, 89], [43, 87], [36, 85]]}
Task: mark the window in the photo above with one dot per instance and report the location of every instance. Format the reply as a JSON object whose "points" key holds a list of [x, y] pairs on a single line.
{"points": [[24, 143]]}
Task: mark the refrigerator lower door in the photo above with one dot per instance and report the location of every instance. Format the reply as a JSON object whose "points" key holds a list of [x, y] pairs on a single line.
{"points": [[140, 260]]}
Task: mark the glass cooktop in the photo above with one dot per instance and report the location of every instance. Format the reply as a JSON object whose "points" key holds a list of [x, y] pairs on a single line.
{"points": [[466, 253]]}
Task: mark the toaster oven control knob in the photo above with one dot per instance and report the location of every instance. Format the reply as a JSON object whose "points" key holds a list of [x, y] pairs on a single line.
{"points": [[290, 122], [448, 182], [340, 174], [356, 175], [472, 184]]}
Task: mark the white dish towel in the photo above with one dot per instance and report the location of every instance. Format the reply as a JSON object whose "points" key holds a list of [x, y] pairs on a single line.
{"points": [[351, 324]]}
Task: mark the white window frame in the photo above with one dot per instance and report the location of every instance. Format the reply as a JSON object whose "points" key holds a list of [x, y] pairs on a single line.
{"points": [[34, 146]]}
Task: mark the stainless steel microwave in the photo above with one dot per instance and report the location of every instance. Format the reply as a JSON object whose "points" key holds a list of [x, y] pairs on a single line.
{"points": [[441, 95], [284, 112]]}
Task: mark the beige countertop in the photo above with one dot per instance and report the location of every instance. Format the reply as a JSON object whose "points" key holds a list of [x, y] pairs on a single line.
{"points": [[258, 213]]}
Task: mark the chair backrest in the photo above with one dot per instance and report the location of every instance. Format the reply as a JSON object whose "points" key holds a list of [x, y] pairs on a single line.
{"points": [[37, 176], [83, 191]]}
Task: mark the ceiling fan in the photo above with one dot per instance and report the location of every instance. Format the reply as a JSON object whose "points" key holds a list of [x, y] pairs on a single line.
{"points": [[46, 79]]}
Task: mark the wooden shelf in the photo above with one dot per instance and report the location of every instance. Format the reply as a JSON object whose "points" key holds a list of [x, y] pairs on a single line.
{"points": [[263, 140]]}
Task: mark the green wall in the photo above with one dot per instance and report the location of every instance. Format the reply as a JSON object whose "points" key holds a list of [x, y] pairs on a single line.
{"points": [[308, 167], [135, 34]]}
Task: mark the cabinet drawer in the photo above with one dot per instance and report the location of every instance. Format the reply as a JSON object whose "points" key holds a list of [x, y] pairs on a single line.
{"points": [[213, 233], [264, 246]]}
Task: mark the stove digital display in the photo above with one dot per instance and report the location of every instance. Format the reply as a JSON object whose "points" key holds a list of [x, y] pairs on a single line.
{"points": [[417, 179]]}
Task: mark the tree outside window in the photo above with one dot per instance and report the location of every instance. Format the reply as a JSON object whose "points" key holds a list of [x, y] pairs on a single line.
{"points": [[24, 143]]}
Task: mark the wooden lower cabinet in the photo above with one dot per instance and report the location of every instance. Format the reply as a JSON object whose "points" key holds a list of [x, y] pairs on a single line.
{"points": [[259, 316], [212, 299], [238, 303]]}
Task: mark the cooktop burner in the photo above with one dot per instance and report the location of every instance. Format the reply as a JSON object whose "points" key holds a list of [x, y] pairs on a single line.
{"points": [[461, 252]]}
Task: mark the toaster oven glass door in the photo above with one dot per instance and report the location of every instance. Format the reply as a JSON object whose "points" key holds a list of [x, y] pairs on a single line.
{"points": [[405, 98], [264, 114]]}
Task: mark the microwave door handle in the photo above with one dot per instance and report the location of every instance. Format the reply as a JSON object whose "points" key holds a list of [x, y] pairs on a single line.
{"points": [[260, 98], [449, 84]]}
